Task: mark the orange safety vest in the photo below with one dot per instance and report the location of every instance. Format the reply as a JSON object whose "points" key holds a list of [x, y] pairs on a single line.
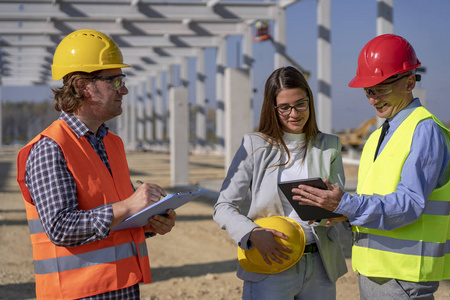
{"points": [[116, 262]]}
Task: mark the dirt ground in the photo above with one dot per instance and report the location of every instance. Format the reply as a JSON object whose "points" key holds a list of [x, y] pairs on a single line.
{"points": [[197, 260]]}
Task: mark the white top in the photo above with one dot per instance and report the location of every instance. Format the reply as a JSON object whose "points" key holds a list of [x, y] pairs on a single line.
{"points": [[291, 171]]}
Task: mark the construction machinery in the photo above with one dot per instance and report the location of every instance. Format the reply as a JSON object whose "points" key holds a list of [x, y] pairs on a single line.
{"points": [[262, 33], [357, 137]]}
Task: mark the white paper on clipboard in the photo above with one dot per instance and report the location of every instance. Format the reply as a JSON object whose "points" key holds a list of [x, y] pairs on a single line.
{"points": [[171, 201]]}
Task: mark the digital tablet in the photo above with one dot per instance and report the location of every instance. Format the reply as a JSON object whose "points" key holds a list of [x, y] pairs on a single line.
{"points": [[307, 212], [171, 201]]}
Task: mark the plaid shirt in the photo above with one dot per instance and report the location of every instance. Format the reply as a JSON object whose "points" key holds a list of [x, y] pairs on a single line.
{"points": [[53, 190]]}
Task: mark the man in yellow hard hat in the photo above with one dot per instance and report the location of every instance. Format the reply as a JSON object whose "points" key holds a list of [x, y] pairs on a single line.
{"points": [[76, 183], [400, 211]]}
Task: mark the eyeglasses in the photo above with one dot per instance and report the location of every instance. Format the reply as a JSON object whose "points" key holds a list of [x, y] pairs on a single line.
{"points": [[383, 88], [117, 81], [286, 109]]}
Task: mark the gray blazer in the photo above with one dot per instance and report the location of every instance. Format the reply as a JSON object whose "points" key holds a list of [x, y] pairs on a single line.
{"points": [[252, 167]]}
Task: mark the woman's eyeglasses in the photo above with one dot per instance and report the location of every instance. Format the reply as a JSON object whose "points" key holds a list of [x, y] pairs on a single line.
{"points": [[285, 109]]}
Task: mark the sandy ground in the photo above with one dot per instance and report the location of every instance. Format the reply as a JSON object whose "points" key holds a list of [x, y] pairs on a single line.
{"points": [[197, 260]]}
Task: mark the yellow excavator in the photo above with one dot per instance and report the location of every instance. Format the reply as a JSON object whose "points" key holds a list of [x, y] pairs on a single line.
{"points": [[357, 137]]}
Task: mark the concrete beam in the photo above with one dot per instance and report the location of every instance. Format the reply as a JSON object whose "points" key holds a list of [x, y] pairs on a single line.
{"points": [[142, 10]]}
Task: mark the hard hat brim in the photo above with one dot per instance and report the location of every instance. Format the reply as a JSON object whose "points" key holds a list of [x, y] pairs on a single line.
{"points": [[359, 82], [364, 82], [57, 75]]}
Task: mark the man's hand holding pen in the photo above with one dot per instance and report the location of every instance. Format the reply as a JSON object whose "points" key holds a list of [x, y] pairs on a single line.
{"points": [[144, 196], [141, 182], [160, 224]]}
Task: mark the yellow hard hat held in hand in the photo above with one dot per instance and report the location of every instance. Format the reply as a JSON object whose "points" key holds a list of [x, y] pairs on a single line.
{"points": [[252, 260], [86, 50]]}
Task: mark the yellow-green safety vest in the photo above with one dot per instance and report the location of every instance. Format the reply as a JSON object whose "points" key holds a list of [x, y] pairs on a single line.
{"points": [[416, 252]]}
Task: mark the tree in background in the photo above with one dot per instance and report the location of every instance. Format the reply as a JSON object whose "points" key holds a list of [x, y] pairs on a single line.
{"points": [[21, 121]]}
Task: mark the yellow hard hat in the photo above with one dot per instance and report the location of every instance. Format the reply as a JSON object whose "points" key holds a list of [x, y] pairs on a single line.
{"points": [[86, 50], [252, 260]]}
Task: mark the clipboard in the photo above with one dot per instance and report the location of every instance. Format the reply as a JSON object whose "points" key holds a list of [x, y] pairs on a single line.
{"points": [[171, 201], [307, 212]]}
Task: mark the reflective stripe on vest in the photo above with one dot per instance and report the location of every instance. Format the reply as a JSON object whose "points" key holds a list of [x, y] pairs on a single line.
{"points": [[92, 258], [416, 252], [438, 208], [408, 247], [433, 207]]}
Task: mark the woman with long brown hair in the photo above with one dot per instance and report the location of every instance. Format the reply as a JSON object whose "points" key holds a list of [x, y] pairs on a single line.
{"points": [[288, 145]]}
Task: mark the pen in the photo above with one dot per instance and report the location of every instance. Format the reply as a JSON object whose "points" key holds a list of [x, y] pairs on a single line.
{"points": [[141, 182]]}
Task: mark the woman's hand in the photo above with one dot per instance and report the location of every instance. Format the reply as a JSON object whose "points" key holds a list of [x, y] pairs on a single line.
{"points": [[264, 240]]}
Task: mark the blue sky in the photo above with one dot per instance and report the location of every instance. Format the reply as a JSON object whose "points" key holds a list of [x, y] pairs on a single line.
{"points": [[424, 23]]}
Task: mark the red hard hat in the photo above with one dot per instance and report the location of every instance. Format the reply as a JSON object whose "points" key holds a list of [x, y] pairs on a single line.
{"points": [[383, 57]]}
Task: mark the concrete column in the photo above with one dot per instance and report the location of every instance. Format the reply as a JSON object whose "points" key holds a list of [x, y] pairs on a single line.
{"points": [[125, 119], [119, 126], [421, 93], [324, 104], [149, 119], [179, 133], [238, 101], [1, 119], [200, 117], [221, 62], [140, 115], [247, 64], [170, 78], [247, 50], [167, 114], [184, 72], [280, 38], [385, 19], [132, 123], [385, 24], [159, 113]]}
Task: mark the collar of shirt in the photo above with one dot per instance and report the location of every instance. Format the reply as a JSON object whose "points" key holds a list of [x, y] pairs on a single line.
{"points": [[81, 129], [396, 120]]}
